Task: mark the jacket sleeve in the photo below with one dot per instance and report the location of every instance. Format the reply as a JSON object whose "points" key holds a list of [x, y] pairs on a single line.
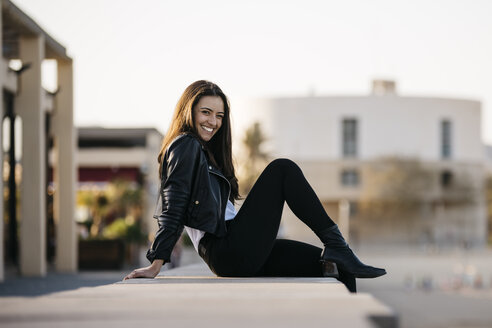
{"points": [[176, 186], [164, 242]]}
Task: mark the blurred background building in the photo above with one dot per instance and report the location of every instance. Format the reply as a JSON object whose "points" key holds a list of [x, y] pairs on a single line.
{"points": [[116, 195], [106, 154], [390, 169]]}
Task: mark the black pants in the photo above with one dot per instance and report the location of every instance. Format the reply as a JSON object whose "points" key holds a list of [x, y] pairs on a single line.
{"points": [[251, 247]]}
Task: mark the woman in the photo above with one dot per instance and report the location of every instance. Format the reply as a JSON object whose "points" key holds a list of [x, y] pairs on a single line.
{"points": [[199, 187]]}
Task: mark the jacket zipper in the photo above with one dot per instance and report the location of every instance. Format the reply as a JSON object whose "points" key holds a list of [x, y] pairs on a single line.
{"points": [[228, 183]]}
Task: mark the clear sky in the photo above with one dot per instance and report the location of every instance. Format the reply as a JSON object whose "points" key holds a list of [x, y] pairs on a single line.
{"points": [[133, 59]]}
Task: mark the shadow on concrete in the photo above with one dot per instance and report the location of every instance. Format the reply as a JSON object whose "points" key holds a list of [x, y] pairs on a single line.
{"points": [[57, 282]]}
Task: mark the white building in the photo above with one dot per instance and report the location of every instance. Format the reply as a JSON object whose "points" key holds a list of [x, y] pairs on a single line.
{"points": [[335, 140]]}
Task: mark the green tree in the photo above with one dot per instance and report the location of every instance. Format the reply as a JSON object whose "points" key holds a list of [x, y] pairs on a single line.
{"points": [[121, 199], [394, 187], [398, 187]]}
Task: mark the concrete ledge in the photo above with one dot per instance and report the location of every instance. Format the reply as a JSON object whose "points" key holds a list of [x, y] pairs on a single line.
{"points": [[193, 297]]}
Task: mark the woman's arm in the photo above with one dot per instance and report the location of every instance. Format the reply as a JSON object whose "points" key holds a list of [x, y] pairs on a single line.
{"points": [[148, 272], [179, 171], [176, 186]]}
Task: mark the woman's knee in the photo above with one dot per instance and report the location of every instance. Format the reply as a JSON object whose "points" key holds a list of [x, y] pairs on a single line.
{"points": [[284, 164]]}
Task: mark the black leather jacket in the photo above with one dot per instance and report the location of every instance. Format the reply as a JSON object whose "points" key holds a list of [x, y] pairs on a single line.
{"points": [[192, 193]]}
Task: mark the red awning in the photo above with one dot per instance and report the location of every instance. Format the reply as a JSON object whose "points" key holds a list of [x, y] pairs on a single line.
{"points": [[99, 174]]}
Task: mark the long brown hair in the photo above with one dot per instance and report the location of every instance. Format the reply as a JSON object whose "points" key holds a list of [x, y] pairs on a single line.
{"points": [[219, 147]]}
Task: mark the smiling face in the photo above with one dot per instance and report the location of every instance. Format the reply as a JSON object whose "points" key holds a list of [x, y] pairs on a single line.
{"points": [[208, 114]]}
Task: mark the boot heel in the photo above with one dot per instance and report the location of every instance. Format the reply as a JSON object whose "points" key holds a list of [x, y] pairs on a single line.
{"points": [[329, 269]]}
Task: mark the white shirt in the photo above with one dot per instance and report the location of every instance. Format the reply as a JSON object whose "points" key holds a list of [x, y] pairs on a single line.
{"points": [[195, 234]]}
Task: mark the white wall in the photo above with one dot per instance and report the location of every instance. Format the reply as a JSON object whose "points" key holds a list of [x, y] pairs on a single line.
{"points": [[310, 128], [111, 156]]}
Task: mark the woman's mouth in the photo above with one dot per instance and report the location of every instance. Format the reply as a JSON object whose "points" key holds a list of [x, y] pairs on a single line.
{"points": [[209, 130]]}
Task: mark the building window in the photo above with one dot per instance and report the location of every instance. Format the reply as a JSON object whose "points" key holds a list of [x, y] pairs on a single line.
{"points": [[446, 179], [349, 137], [350, 177], [353, 209], [445, 139]]}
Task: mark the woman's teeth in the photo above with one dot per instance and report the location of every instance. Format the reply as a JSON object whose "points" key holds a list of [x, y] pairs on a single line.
{"points": [[207, 129]]}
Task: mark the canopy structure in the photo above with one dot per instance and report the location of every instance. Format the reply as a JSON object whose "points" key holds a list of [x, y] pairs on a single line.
{"points": [[45, 122]]}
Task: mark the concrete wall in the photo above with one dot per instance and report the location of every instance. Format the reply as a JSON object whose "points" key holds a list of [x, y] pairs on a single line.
{"points": [[311, 128], [111, 156]]}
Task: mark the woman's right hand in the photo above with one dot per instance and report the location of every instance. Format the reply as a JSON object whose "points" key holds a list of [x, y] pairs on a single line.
{"points": [[147, 272]]}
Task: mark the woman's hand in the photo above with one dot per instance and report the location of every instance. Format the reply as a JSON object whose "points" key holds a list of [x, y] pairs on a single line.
{"points": [[148, 272]]}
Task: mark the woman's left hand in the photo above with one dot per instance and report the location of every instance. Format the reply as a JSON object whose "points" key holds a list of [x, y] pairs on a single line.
{"points": [[148, 272]]}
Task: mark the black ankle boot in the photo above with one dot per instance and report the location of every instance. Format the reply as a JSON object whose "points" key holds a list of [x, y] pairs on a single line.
{"points": [[329, 269], [337, 251], [348, 280]]}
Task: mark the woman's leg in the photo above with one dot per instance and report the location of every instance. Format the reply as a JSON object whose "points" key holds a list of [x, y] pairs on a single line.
{"points": [[290, 258], [253, 231]]}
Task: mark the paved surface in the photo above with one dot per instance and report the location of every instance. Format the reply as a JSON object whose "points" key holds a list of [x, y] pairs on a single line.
{"points": [[426, 289], [190, 296], [435, 290]]}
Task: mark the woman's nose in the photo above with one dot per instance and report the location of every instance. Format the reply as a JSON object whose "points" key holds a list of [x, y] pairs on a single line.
{"points": [[212, 120]]}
